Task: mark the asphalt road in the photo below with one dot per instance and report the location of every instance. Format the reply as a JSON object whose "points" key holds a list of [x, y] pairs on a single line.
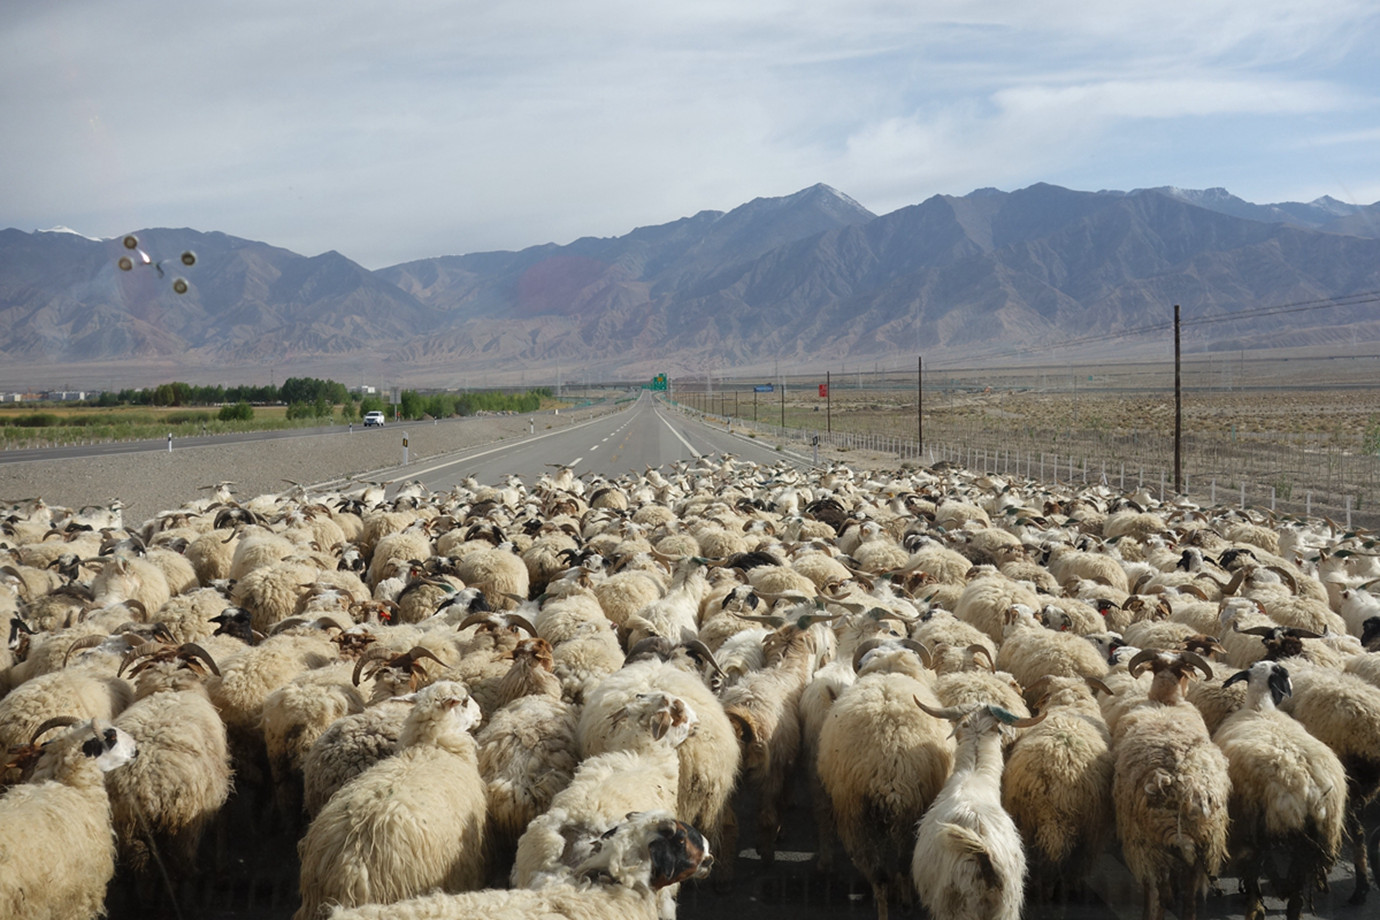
{"points": [[646, 434]]}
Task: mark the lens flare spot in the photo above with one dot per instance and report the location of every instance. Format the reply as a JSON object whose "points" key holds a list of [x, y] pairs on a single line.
{"points": [[180, 286], [125, 263], [188, 258], [131, 242]]}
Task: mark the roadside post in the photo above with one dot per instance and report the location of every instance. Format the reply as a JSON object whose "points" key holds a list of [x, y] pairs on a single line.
{"points": [[404, 448]]}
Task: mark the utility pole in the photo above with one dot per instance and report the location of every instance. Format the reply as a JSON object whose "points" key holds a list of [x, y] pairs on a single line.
{"points": [[920, 402], [828, 405], [1178, 411]]}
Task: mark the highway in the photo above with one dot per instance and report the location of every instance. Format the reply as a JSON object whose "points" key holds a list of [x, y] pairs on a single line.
{"points": [[645, 434]]}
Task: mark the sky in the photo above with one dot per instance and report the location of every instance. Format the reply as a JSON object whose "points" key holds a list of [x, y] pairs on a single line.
{"points": [[392, 131]]}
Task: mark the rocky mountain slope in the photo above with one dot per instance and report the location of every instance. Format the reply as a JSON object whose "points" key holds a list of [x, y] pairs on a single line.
{"points": [[808, 278]]}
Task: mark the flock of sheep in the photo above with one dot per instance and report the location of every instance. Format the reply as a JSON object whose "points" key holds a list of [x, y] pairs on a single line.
{"points": [[543, 701]]}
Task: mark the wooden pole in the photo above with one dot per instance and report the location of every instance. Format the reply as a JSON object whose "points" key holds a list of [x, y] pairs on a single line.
{"points": [[828, 405], [783, 407], [920, 403], [1178, 411]]}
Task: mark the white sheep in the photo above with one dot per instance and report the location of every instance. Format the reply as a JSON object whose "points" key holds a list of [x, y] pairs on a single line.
{"points": [[968, 860], [58, 853], [882, 762], [709, 759], [1058, 783], [1170, 787], [412, 822], [615, 873], [1288, 791], [162, 801]]}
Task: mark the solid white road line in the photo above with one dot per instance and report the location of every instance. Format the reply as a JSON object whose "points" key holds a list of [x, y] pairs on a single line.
{"points": [[693, 452]]}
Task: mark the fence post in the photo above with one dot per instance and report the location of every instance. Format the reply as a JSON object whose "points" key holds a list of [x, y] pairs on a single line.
{"points": [[1308, 504], [1348, 512], [1272, 498], [1161, 486], [1212, 492], [1243, 495]]}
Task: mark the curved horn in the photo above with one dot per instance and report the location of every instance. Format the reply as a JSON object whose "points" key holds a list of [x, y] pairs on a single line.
{"points": [[474, 618], [1287, 576], [1021, 723], [54, 722], [951, 713], [1144, 656], [373, 653], [192, 650], [977, 649], [1197, 661], [421, 651], [696, 647], [83, 642], [862, 650], [141, 651], [1096, 685], [925, 657], [522, 623]]}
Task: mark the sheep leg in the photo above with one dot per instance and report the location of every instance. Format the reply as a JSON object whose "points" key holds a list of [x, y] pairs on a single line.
{"points": [[825, 836], [1374, 854], [1356, 831], [880, 895]]}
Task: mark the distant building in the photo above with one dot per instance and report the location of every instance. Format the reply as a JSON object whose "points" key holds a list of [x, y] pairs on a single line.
{"points": [[64, 395], [365, 390]]}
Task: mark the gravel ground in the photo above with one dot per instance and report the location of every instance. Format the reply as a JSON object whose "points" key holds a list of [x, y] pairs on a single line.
{"points": [[156, 480]]}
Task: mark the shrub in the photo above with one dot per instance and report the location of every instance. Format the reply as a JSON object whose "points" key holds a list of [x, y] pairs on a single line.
{"points": [[236, 412]]}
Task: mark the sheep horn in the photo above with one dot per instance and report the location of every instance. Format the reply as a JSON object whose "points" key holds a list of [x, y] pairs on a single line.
{"points": [[374, 652], [54, 722], [1287, 576], [83, 642], [977, 649], [1198, 663], [1298, 633], [421, 651], [925, 657], [697, 648], [773, 621], [474, 618], [1142, 657], [189, 650], [141, 651], [522, 623], [951, 713], [862, 649], [1235, 582], [1096, 684], [1261, 631], [1014, 722]]}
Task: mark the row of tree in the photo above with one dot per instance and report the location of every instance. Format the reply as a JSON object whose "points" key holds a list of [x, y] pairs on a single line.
{"points": [[309, 397]]}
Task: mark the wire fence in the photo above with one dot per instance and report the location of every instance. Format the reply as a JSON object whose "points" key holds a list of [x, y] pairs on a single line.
{"points": [[1286, 444]]}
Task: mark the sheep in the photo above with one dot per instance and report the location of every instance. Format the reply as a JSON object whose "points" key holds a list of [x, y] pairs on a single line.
{"points": [[986, 600], [763, 710], [825, 687], [617, 873], [1343, 712], [709, 759], [526, 754], [1170, 787], [74, 691], [1288, 791], [58, 853], [500, 574], [410, 823], [1058, 781], [163, 800], [294, 716], [1029, 651], [882, 762], [968, 859]]}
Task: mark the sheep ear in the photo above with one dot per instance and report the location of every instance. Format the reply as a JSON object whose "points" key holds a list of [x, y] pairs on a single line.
{"points": [[743, 727], [1280, 685]]}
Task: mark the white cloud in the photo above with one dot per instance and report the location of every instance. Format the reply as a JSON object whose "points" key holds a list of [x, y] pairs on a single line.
{"points": [[394, 131]]}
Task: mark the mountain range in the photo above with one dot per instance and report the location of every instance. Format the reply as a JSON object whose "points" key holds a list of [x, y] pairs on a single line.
{"points": [[809, 279]]}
